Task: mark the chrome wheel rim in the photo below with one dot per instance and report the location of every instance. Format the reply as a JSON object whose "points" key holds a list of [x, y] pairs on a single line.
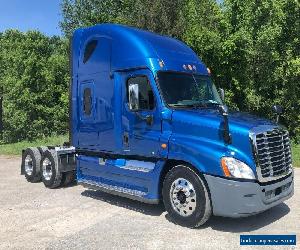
{"points": [[183, 197], [47, 169], [28, 165]]}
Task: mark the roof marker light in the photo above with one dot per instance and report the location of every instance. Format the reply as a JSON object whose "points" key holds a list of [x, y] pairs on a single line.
{"points": [[190, 67], [161, 63], [184, 66]]}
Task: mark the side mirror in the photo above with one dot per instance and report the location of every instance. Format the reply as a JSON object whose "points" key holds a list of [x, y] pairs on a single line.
{"points": [[223, 109], [278, 110], [133, 90], [222, 94]]}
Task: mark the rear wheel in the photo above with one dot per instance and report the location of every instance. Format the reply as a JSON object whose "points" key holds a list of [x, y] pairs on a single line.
{"points": [[32, 164], [186, 197], [51, 176]]}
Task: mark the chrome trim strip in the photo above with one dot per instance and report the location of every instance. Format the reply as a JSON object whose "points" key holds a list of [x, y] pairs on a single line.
{"points": [[135, 168], [114, 188], [140, 166], [113, 192]]}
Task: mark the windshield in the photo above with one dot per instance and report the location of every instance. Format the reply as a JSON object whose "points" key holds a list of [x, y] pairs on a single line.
{"points": [[188, 90]]}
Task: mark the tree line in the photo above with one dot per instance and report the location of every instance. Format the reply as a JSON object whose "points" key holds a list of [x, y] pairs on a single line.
{"points": [[251, 46], [34, 83]]}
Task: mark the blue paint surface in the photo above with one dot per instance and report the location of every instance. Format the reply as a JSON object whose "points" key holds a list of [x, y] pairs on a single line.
{"points": [[193, 136]]}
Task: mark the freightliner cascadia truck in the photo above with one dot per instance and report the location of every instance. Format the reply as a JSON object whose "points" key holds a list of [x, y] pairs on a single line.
{"points": [[148, 123]]}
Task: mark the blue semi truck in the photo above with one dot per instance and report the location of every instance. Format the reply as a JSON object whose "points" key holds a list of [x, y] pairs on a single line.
{"points": [[147, 123]]}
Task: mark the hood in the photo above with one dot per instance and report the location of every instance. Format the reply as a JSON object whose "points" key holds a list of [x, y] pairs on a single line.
{"points": [[207, 127], [239, 122]]}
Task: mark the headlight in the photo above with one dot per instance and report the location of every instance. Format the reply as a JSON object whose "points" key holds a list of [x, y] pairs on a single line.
{"points": [[235, 168]]}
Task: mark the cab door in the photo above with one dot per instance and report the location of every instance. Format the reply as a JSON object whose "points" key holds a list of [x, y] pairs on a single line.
{"points": [[141, 122]]}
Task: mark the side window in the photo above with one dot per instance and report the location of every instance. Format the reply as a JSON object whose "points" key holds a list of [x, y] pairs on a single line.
{"points": [[87, 101], [144, 97], [95, 56], [89, 50]]}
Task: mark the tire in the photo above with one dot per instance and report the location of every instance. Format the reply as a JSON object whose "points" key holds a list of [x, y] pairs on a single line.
{"points": [[32, 164], [68, 178], [51, 175], [42, 150], [186, 197]]}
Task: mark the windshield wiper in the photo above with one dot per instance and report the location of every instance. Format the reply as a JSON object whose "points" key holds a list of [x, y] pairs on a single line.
{"points": [[206, 105], [182, 105], [213, 104], [193, 106], [197, 105]]}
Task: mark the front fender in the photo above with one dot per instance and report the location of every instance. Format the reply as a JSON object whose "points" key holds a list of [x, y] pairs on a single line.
{"points": [[203, 153]]}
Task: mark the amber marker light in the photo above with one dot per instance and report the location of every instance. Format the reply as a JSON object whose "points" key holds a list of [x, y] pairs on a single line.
{"points": [[225, 168], [164, 145], [161, 63]]}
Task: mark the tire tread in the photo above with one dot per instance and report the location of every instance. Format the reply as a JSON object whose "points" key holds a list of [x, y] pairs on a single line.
{"points": [[207, 209]]}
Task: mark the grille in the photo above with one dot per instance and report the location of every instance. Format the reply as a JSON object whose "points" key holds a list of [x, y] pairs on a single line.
{"points": [[273, 152]]}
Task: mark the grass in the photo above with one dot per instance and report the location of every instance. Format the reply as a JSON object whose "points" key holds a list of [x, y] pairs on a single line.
{"points": [[296, 155], [16, 148]]}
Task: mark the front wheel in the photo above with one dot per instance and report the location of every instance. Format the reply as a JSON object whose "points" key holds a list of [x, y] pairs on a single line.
{"points": [[186, 197]]}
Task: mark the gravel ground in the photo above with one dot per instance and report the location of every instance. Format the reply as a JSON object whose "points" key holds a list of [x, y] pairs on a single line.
{"points": [[33, 217]]}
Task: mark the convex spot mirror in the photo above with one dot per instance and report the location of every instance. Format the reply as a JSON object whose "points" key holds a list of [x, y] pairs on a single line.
{"points": [[277, 109], [133, 90], [222, 94]]}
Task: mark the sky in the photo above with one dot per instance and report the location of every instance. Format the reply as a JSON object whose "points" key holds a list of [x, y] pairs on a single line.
{"points": [[24, 15]]}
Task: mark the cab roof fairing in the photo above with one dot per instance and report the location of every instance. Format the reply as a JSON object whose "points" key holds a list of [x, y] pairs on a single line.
{"points": [[135, 48]]}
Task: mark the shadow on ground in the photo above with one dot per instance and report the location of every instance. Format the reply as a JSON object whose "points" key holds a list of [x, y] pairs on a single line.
{"points": [[147, 209], [236, 225], [251, 223]]}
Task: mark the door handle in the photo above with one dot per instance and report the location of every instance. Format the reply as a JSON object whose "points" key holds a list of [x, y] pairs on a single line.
{"points": [[125, 139], [148, 118]]}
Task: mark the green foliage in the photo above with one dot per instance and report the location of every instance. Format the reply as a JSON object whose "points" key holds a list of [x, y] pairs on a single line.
{"points": [[296, 155], [78, 13], [35, 81], [261, 45], [16, 148], [161, 16]]}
